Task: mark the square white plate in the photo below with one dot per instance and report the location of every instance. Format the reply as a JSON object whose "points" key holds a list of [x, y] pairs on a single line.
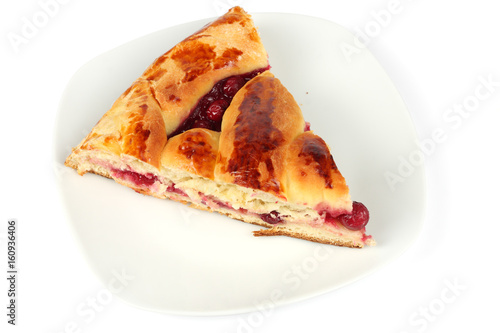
{"points": [[185, 261]]}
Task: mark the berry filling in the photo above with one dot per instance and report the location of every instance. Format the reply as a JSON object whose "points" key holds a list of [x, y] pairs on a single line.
{"points": [[211, 107], [358, 219], [140, 180], [272, 218], [143, 180], [172, 189], [216, 110]]}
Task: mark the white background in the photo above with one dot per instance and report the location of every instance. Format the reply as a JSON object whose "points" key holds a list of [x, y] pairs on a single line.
{"points": [[435, 52]]}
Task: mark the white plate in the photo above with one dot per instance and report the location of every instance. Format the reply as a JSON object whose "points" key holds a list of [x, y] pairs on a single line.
{"points": [[186, 261]]}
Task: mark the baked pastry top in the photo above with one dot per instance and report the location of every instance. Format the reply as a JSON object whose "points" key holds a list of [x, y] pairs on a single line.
{"points": [[164, 96], [263, 146], [209, 125]]}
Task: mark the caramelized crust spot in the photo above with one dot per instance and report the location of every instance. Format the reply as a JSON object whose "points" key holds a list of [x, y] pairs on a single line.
{"points": [[194, 151], [231, 17], [227, 58], [174, 98], [254, 36], [235, 14], [195, 59], [196, 36], [155, 73], [135, 135], [196, 147], [255, 139], [140, 128], [158, 62], [314, 150]]}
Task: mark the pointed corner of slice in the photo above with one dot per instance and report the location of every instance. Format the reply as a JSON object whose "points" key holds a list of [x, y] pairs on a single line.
{"points": [[296, 187]]}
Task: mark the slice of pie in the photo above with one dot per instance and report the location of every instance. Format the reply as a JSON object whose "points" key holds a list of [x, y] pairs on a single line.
{"points": [[207, 124]]}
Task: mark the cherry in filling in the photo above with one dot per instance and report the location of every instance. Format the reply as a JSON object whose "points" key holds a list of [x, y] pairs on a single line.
{"points": [[272, 218], [172, 189], [140, 180], [307, 126], [358, 219], [211, 107], [143, 180]]}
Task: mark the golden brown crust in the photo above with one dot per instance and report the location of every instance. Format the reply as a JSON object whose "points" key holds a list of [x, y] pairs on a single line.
{"points": [[262, 144], [260, 123], [312, 176], [324, 239], [133, 126], [179, 78], [140, 120], [143, 136], [193, 151]]}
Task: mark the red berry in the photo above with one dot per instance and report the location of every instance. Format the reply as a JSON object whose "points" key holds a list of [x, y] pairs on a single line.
{"points": [[216, 110], [216, 92], [205, 102], [202, 123], [357, 219], [272, 218], [232, 85]]}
